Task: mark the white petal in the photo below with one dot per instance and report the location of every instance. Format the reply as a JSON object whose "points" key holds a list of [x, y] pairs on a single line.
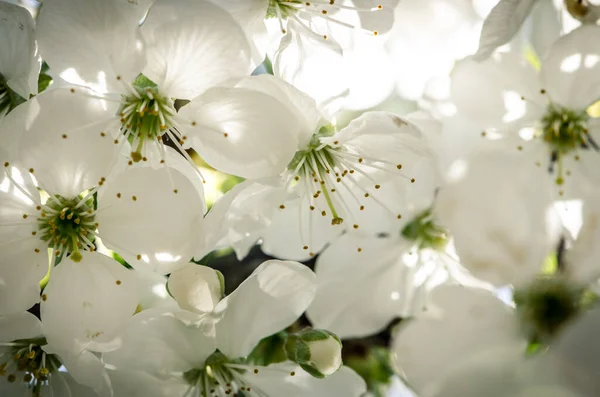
{"points": [[501, 371], [19, 62], [241, 131], [301, 105], [161, 344], [251, 16], [491, 92], [23, 255], [367, 298], [313, 65], [570, 71], [22, 325], [239, 218], [276, 380], [88, 370], [94, 41], [546, 27], [151, 217], [196, 288], [22, 270], [193, 45], [502, 24], [497, 213], [295, 227], [86, 302], [64, 385], [141, 384], [384, 136], [577, 351], [584, 256], [272, 298], [472, 320], [62, 140], [152, 288]]}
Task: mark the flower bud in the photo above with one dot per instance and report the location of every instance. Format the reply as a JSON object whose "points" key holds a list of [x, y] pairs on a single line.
{"points": [[196, 288], [318, 352]]}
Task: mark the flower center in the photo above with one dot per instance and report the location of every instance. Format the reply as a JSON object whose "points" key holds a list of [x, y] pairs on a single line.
{"points": [[425, 233], [285, 8], [219, 376], [546, 305], [145, 114], [565, 130], [316, 163], [68, 224], [25, 361], [339, 180]]}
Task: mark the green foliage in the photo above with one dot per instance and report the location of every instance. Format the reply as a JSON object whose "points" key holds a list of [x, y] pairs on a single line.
{"points": [[374, 367], [270, 350], [44, 80]]}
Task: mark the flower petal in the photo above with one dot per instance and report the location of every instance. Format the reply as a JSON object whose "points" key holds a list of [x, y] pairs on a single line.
{"points": [[19, 62], [273, 297], [313, 65], [239, 218], [295, 227], [92, 42], [23, 325], [367, 298], [67, 140], [192, 46], [88, 370], [571, 69], [497, 212], [301, 105], [287, 379], [251, 16], [151, 217], [584, 256], [24, 256], [501, 25], [577, 351], [472, 320], [85, 303], [159, 344], [242, 132], [502, 92], [132, 383]]}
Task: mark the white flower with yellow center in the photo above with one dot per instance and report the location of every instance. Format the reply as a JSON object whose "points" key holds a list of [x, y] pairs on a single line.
{"points": [[82, 306], [363, 178], [402, 271], [140, 61], [550, 110], [318, 50], [211, 359], [58, 196], [473, 344]]}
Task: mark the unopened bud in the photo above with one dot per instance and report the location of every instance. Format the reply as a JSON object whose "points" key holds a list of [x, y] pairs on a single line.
{"points": [[196, 288], [318, 352]]}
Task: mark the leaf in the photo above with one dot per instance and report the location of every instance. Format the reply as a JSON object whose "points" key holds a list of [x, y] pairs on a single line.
{"points": [[501, 25]]}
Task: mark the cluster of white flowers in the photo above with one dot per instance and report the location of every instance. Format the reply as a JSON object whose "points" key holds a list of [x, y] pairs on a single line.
{"points": [[460, 220]]}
